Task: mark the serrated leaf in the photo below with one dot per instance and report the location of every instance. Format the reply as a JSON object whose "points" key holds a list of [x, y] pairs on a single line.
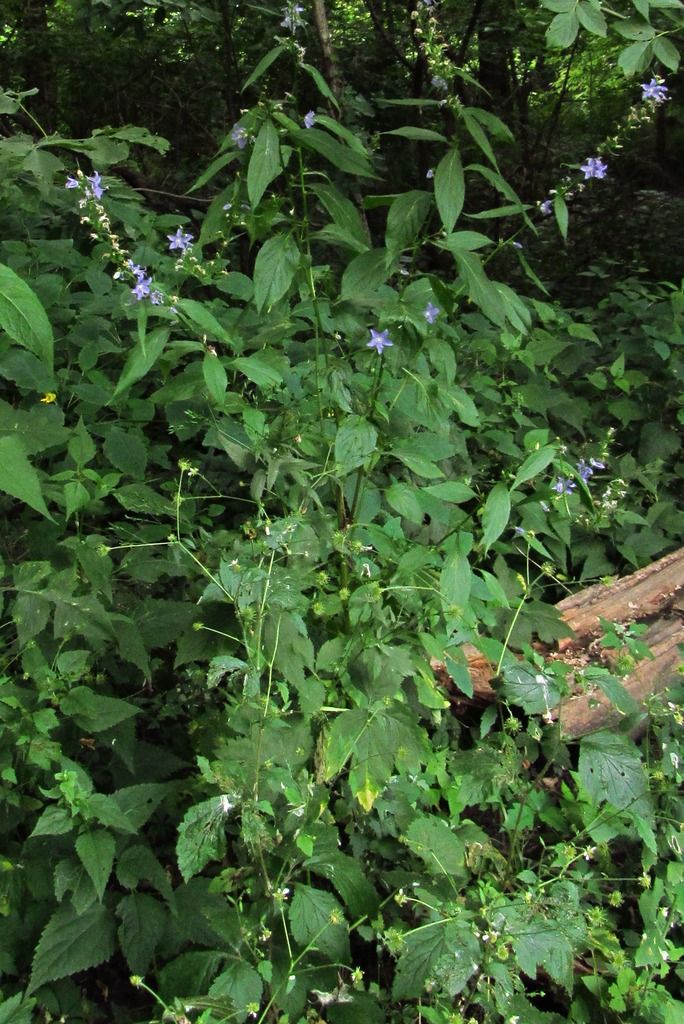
{"points": [[17, 1010], [239, 983], [138, 863], [23, 317], [532, 690], [431, 839], [126, 452], [142, 925], [363, 276], [18, 478], [201, 837], [355, 441], [257, 368], [316, 917], [276, 265], [636, 57], [496, 514], [73, 942], [348, 877], [450, 188], [610, 769], [96, 853], [215, 377], [421, 951], [54, 821]]}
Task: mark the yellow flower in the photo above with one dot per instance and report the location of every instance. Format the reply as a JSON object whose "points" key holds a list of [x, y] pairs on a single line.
{"points": [[49, 397]]}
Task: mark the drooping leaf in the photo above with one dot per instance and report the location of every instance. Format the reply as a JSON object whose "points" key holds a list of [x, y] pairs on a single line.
{"points": [[355, 441], [431, 839], [73, 942], [316, 917], [264, 162], [142, 925], [422, 949], [94, 712], [201, 837], [496, 514], [450, 188], [96, 852], [531, 689], [274, 270], [610, 769], [23, 317], [18, 478]]}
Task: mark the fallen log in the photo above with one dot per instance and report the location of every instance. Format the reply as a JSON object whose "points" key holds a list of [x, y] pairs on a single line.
{"points": [[653, 595]]}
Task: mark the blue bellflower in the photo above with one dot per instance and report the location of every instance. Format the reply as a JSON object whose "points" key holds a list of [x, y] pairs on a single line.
{"points": [[431, 313], [293, 17], [310, 119], [594, 167], [380, 340], [654, 91], [546, 208], [239, 136], [180, 240], [563, 486], [96, 186]]}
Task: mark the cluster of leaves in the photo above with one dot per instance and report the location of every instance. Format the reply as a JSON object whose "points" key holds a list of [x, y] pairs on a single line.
{"points": [[239, 531]]}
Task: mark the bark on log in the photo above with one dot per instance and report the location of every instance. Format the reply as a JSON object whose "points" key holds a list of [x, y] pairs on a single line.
{"points": [[654, 595]]}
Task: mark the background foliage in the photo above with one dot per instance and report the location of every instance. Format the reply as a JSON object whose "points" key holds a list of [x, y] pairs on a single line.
{"points": [[329, 359]]}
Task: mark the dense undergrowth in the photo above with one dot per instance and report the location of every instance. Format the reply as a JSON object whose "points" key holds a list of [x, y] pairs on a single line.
{"points": [[244, 510]]}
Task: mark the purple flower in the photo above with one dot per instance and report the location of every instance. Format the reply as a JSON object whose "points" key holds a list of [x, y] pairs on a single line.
{"points": [[654, 91], [293, 17], [584, 470], [518, 245], [96, 186], [431, 313], [546, 208], [135, 269], [156, 297], [431, 173], [72, 182], [563, 486], [310, 119], [142, 288], [379, 341], [239, 136], [180, 240], [519, 531], [594, 167], [597, 464]]}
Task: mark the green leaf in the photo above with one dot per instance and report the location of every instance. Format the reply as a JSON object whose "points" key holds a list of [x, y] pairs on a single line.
{"points": [[666, 52], [126, 451], [73, 942], [17, 1010], [450, 188], [94, 712], [560, 209], [239, 983], [533, 465], [456, 581], [310, 914], [23, 317], [563, 30], [142, 358], [610, 769], [405, 220], [635, 58], [54, 821], [466, 241], [405, 500], [452, 491], [592, 18], [258, 369], [432, 840], [343, 212], [215, 377], [363, 276], [534, 691], [138, 863], [274, 270], [496, 514], [349, 878], [422, 949], [81, 447], [263, 66], [264, 163], [201, 837], [417, 134], [96, 853], [205, 321], [320, 83], [143, 919], [340, 157], [355, 441], [18, 478]]}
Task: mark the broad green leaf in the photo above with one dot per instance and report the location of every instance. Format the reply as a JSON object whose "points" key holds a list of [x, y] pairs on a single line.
{"points": [[142, 359], [258, 369], [610, 769], [466, 241], [422, 949], [452, 491], [531, 689], [343, 212], [93, 712], [126, 451], [263, 66], [316, 917], [17, 1009], [321, 83], [143, 919], [274, 270], [239, 983], [138, 863], [450, 188], [666, 52], [215, 377], [363, 276], [81, 447], [533, 465], [348, 876], [431, 839], [417, 134], [560, 209], [138, 803], [73, 942], [355, 440], [264, 163], [96, 853], [201, 837], [18, 478], [54, 821], [636, 58], [456, 581], [592, 18], [405, 220], [405, 501], [496, 514], [563, 30], [23, 317]]}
